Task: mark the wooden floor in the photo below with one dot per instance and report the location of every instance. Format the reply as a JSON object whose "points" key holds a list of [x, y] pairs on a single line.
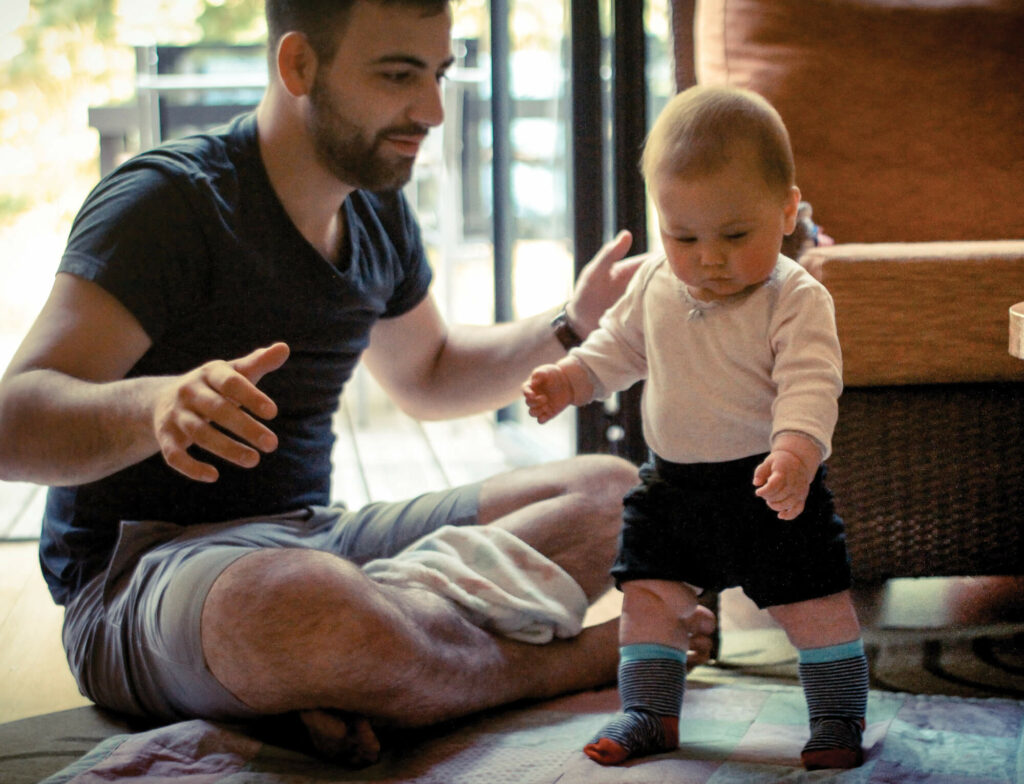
{"points": [[381, 455], [34, 676]]}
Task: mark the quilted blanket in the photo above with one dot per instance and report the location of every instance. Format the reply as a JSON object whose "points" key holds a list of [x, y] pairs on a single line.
{"points": [[735, 733]]}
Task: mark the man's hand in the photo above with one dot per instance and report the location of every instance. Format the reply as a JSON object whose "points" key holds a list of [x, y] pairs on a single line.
{"points": [[548, 392], [701, 627], [214, 407], [784, 477], [601, 283]]}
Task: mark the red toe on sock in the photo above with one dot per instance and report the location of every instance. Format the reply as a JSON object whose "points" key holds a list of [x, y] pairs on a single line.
{"points": [[606, 751]]}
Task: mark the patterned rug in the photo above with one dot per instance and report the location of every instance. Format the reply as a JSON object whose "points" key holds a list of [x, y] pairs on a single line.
{"points": [[744, 733]]}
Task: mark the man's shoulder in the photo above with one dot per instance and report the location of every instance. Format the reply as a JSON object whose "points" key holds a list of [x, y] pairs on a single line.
{"points": [[211, 157]]}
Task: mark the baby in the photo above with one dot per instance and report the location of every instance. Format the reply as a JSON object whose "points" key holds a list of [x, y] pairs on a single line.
{"points": [[737, 345]]}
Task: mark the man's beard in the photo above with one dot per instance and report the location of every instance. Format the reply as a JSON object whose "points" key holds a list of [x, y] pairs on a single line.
{"points": [[344, 150]]}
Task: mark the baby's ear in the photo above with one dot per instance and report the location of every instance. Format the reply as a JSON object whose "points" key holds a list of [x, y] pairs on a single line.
{"points": [[802, 236], [791, 208]]}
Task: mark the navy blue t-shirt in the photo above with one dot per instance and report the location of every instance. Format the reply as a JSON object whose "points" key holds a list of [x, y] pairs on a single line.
{"points": [[192, 239]]}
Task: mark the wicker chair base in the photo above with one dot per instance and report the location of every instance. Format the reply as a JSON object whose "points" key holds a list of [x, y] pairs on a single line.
{"points": [[930, 480]]}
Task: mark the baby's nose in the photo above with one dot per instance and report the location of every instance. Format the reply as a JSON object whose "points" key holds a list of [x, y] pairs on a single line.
{"points": [[712, 257]]}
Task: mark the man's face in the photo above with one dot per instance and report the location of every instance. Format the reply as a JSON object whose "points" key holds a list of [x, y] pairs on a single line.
{"points": [[370, 108]]}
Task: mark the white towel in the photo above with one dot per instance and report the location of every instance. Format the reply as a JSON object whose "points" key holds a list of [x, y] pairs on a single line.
{"points": [[498, 581]]}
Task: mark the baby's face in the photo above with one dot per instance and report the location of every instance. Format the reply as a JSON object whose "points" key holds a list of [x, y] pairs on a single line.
{"points": [[722, 232]]}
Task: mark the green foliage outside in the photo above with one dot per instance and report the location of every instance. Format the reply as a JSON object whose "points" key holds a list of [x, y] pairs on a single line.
{"points": [[67, 56], [73, 54]]}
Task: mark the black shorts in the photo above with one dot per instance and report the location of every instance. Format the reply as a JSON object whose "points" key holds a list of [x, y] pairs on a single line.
{"points": [[702, 524]]}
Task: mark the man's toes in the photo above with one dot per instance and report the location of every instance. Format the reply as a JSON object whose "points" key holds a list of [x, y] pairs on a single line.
{"points": [[343, 738]]}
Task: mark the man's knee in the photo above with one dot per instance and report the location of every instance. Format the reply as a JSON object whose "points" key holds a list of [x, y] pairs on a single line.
{"points": [[270, 609], [604, 478], [271, 591], [600, 482], [605, 474], [591, 484]]}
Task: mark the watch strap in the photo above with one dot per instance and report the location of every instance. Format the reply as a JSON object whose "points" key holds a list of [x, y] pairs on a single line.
{"points": [[566, 335]]}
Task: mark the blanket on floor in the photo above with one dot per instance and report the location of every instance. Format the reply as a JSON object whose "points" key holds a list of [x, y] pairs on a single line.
{"points": [[729, 734], [498, 581]]}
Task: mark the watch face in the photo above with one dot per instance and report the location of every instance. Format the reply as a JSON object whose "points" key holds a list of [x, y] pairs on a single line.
{"points": [[564, 332]]}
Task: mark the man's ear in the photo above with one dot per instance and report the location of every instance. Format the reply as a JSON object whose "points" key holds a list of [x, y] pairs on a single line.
{"points": [[296, 63], [791, 209]]}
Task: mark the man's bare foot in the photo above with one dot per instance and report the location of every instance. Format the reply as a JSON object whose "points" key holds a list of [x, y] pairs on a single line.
{"points": [[342, 737], [702, 625]]}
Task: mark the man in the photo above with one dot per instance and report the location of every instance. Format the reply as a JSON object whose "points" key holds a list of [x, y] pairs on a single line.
{"points": [[213, 299]]}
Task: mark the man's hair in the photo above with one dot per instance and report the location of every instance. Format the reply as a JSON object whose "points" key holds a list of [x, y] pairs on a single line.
{"points": [[323, 21], [703, 128]]}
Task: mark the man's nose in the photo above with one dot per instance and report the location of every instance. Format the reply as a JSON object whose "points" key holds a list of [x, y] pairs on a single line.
{"points": [[428, 109]]}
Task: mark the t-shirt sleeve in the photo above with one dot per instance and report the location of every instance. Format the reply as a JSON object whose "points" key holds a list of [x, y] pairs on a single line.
{"points": [[414, 278], [137, 237]]}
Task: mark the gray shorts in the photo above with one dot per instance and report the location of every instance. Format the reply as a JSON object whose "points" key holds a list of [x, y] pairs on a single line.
{"points": [[132, 634]]}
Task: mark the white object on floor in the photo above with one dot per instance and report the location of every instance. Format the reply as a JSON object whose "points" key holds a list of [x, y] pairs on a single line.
{"points": [[498, 581]]}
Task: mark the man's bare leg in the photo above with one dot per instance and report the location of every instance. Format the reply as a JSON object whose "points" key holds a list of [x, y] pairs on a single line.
{"points": [[302, 630], [297, 629], [284, 629], [570, 511]]}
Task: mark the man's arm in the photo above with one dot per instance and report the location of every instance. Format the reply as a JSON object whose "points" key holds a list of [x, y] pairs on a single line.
{"points": [[69, 416], [436, 371]]}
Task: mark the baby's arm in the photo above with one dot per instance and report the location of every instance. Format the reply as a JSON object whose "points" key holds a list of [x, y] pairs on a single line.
{"points": [[552, 388], [784, 477]]}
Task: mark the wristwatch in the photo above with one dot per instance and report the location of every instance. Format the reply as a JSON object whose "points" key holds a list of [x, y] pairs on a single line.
{"points": [[566, 335]]}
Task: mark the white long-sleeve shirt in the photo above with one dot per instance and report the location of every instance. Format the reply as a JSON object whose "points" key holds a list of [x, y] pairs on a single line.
{"points": [[723, 378]]}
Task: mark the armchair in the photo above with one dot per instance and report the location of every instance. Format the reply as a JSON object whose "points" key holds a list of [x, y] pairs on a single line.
{"points": [[907, 123]]}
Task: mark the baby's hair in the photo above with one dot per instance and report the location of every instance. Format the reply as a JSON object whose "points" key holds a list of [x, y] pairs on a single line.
{"points": [[702, 128]]}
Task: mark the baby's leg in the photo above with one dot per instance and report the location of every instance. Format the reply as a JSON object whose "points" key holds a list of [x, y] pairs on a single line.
{"points": [[652, 671], [834, 675]]}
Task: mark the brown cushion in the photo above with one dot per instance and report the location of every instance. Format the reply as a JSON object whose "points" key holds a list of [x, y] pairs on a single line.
{"points": [[907, 116], [919, 313]]}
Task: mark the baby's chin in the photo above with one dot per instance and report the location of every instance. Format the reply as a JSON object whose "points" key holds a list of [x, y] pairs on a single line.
{"points": [[715, 290]]}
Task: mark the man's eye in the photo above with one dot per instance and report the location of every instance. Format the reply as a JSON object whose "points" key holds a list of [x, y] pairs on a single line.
{"points": [[397, 76]]}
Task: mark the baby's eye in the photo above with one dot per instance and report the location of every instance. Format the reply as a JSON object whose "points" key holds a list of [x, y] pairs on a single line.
{"points": [[736, 235], [686, 240]]}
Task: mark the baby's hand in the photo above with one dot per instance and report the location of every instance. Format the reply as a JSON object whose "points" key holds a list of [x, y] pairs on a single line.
{"points": [[783, 480], [547, 393]]}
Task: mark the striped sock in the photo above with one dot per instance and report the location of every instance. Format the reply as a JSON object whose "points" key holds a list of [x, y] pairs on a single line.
{"points": [[652, 679], [835, 682]]}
